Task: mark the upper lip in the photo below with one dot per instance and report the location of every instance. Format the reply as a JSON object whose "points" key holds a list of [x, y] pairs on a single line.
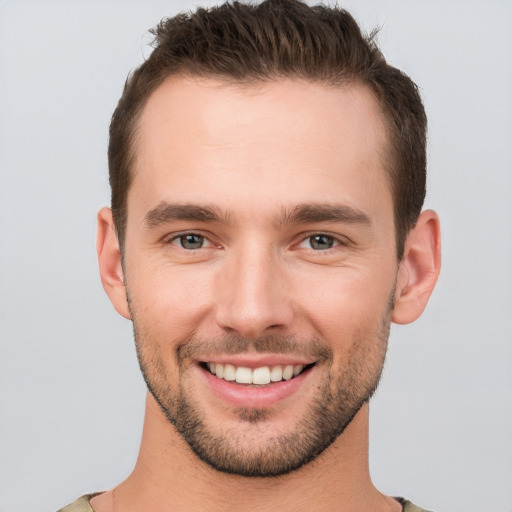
{"points": [[257, 360]]}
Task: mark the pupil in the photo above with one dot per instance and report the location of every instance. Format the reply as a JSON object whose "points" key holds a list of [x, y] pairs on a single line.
{"points": [[191, 241], [321, 242]]}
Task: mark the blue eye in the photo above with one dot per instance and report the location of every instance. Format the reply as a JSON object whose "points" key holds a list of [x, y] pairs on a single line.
{"points": [[321, 242], [190, 241]]}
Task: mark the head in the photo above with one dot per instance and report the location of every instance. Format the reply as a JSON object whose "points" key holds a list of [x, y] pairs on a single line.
{"points": [[268, 172], [277, 39]]}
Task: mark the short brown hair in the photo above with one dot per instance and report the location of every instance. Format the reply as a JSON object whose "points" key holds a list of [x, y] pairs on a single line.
{"points": [[275, 39]]}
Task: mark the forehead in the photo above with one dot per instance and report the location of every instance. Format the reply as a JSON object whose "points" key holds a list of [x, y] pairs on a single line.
{"points": [[288, 138]]}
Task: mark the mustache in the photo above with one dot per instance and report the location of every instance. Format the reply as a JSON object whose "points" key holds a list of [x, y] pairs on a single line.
{"points": [[196, 347]]}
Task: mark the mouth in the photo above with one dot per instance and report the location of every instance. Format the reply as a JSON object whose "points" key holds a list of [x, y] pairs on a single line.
{"points": [[259, 376], [257, 381]]}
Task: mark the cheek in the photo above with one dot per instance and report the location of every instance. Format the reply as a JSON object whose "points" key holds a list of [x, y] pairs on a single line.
{"points": [[344, 300], [168, 301]]}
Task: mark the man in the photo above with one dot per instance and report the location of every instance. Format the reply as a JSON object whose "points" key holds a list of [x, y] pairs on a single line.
{"points": [[268, 173]]}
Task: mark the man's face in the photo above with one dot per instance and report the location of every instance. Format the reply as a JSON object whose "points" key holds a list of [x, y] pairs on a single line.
{"points": [[260, 244]]}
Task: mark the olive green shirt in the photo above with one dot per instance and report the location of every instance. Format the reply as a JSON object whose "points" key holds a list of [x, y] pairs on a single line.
{"points": [[82, 505]]}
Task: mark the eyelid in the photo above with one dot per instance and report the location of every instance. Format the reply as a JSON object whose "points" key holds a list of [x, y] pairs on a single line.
{"points": [[170, 238], [339, 240]]}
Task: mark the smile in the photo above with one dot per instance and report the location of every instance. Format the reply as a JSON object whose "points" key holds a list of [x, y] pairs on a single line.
{"points": [[256, 382], [255, 376]]}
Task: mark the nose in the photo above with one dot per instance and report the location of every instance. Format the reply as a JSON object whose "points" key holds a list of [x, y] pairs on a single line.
{"points": [[254, 297]]}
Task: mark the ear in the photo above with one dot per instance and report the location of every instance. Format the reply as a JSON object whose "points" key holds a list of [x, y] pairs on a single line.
{"points": [[419, 269], [109, 259]]}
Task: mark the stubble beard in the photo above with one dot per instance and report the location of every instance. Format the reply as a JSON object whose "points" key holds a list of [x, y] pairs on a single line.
{"points": [[339, 397]]}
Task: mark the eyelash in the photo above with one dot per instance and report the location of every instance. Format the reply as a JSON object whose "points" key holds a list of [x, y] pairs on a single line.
{"points": [[336, 241], [179, 236]]}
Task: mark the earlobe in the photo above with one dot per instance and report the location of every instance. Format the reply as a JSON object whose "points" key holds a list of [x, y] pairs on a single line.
{"points": [[419, 269], [109, 259]]}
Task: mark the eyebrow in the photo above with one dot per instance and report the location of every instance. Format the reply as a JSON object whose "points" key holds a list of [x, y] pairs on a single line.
{"points": [[167, 212], [301, 214], [312, 213]]}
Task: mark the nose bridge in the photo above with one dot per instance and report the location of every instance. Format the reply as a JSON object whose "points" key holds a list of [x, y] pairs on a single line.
{"points": [[254, 292]]}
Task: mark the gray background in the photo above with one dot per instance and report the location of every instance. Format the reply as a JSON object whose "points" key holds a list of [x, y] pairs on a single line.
{"points": [[71, 399]]}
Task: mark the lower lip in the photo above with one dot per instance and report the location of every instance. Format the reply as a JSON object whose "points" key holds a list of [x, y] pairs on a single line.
{"points": [[259, 397]]}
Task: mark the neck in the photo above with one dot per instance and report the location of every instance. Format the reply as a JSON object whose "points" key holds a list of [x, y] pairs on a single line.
{"points": [[168, 476]]}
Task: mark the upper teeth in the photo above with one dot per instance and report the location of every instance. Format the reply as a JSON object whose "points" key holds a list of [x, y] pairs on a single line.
{"points": [[261, 375]]}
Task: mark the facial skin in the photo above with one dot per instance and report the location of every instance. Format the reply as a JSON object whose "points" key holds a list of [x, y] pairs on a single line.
{"points": [[260, 233]]}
